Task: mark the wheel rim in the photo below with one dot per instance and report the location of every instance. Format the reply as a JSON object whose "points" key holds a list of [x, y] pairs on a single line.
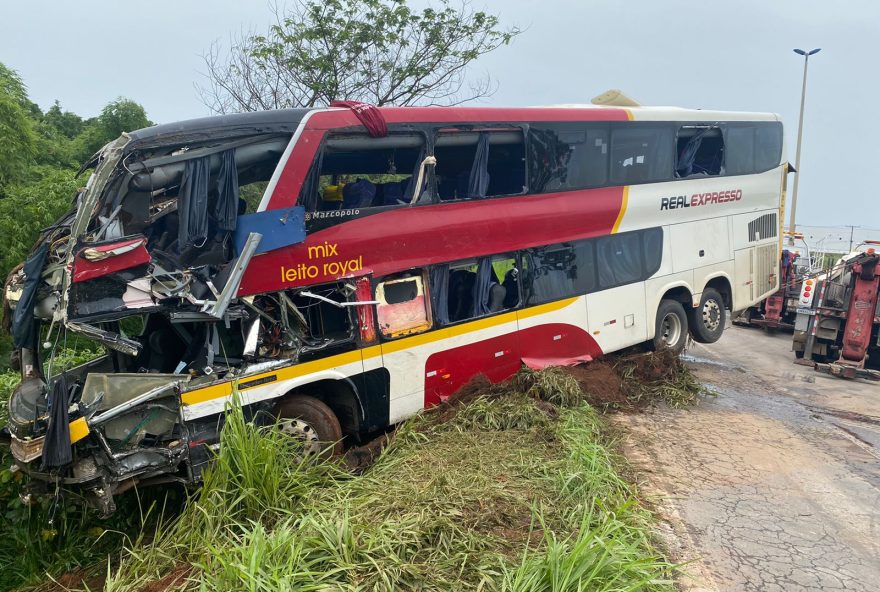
{"points": [[302, 432], [711, 315], [670, 329]]}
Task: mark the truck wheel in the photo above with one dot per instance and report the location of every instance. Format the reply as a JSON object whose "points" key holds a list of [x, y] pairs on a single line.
{"points": [[708, 319], [671, 328], [311, 422]]}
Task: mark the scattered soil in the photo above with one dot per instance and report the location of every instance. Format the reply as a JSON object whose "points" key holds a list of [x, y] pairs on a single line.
{"points": [[478, 386], [77, 579], [170, 581], [653, 367], [359, 458]]}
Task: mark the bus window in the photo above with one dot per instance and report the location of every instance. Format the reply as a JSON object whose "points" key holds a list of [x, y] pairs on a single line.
{"points": [[752, 147], [475, 165], [560, 271], [768, 146], [699, 150], [620, 259], [355, 171], [476, 288], [739, 158], [641, 153], [402, 309], [568, 156]]}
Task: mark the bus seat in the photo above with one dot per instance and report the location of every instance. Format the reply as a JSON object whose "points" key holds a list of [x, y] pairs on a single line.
{"points": [[359, 194], [511, 288], [446, 188], [392, 193]]}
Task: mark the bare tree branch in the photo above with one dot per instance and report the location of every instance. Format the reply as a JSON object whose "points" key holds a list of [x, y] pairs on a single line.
{"points": [[378, 51]]}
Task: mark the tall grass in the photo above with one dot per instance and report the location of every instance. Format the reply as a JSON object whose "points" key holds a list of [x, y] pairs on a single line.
{"points": [[501, 498], [512, 494]]}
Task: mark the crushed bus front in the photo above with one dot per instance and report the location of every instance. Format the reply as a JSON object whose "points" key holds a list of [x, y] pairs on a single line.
{"points": [[149, 265]]}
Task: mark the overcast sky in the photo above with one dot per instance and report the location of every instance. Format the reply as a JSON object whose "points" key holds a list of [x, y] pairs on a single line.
{"points": [[714, 55]]}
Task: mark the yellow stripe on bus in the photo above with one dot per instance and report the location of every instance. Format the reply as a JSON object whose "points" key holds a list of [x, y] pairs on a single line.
{"points": [[224, 389], [620, 214]]}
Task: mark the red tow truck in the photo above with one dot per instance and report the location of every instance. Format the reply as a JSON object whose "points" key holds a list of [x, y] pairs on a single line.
{"points": [[778, 310], [837, 328]]}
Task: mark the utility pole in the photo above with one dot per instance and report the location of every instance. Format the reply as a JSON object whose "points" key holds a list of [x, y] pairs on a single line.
{"points": [[797, 158]]}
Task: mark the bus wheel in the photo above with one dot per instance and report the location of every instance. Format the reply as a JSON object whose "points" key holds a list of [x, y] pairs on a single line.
{"points": [[672, 327], [311, 422], [708, 319]]}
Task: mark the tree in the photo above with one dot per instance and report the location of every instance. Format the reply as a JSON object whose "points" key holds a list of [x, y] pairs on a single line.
{"points": [[121, 115], [18, 145], [27, 208], [377, 51]]}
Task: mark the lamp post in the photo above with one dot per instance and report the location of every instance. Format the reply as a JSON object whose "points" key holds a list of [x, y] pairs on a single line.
{"points": [[797, 158]]}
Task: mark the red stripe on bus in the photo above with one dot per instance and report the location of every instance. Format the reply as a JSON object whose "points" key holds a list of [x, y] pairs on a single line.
{"points": [[414, 237], [501, 357]]}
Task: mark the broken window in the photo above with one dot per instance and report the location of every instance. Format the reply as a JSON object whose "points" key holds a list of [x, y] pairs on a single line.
{"points": [[165, 229], [559, 271], [700, 151], [479, 164], [567, 156], [402, 309], [356, 171], [476, 288], [641, 153]]}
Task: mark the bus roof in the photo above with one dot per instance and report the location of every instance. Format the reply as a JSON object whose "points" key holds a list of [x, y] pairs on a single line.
{"points": [[287, 120]]}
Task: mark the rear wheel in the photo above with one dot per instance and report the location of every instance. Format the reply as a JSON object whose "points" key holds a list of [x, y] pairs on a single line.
{"points": [[311, 422], [708, 319], [671, 327]]}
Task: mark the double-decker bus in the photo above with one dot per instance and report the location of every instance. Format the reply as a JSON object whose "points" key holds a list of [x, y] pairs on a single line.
{"points": [[342, 274]]}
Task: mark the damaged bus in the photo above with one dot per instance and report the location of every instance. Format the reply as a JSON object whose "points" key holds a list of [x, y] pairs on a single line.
{"points": [[341, 269]]}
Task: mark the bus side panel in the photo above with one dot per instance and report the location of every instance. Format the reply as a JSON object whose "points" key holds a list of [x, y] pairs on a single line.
{"points": [[617, 316], [447, 371], [408, 359], [697, 244], [556, 334], [756, 243]]}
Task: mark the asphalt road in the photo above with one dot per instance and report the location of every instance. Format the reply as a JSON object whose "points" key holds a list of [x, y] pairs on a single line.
{"points": [[773, 484]]}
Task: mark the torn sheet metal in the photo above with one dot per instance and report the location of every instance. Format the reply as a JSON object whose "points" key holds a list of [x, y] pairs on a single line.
{"points": [[138, 293]]}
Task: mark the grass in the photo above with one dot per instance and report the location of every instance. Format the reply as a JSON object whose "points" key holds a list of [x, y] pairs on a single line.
{"points": [[510, 494], [659, 377], [518, 490]]}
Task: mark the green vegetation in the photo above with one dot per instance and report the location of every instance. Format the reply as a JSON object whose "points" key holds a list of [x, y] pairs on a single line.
{"points": [[40, 153], [500, 492]]}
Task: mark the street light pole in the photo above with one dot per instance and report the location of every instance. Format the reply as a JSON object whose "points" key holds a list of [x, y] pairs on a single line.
{"points": [[797, 159]]}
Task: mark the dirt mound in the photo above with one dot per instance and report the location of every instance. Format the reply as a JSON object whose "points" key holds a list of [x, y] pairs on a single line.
{"points": [[601, 385], [652, 367]]}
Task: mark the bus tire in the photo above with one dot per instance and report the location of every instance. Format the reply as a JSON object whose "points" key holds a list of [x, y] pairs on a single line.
{"points": [[671, 327], [313, 422], [708, 319]]}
